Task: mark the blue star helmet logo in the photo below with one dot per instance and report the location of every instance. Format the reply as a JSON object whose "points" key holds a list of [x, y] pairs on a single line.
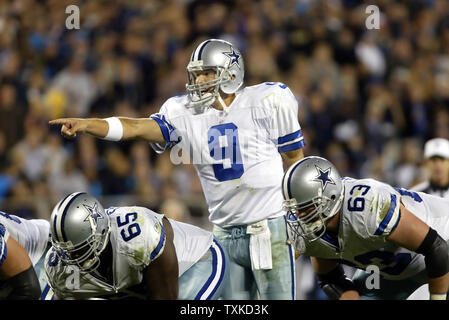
{"points": [[323, 177], [93, 212], [234, 56]]}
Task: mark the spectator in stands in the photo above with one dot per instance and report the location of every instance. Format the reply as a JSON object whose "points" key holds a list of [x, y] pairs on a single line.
{"points": [[436, 155]]}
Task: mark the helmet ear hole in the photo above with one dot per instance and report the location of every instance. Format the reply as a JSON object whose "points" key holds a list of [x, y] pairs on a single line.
{"points": [[333, 197]]}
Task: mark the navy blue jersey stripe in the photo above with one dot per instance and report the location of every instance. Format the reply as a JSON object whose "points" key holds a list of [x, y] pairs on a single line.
{"points": [[223, 268], [163, 128], [293, 146], [160, 244], [388, 217], [290, 137], [211, 277]]}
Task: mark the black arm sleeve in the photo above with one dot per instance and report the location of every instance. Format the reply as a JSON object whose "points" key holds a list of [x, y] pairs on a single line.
{"points": [[436, 255], [334, 283], [25, 286]]}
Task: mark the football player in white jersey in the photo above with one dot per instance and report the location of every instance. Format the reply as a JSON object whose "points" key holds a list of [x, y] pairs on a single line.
{"points": [[436, 156], [22, 246], [129, 252], [239, 138], [364, 223]]}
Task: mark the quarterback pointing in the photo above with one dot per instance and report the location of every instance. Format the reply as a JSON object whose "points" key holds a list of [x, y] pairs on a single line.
{"points": [[364, 222], [129, 252], [239, 139]]}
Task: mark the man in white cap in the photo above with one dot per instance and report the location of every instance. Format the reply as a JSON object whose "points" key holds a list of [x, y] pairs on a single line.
{"points": [[436, 155]]}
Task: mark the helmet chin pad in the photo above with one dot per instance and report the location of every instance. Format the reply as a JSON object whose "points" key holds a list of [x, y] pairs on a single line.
{"points": [[206, 100]]}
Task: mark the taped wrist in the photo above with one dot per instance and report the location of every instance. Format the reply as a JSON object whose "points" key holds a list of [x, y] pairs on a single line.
{"points": [[115, 131], [334, 283], [25, 286], [436, 256]]}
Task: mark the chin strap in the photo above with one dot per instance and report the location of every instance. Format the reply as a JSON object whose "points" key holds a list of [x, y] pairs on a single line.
{"points": [[223, 104]]}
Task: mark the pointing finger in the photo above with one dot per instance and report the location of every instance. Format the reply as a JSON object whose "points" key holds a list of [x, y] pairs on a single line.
{"points": [[59, 121]]}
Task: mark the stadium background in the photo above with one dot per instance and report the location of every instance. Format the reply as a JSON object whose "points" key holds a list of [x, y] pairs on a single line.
{"points": [[369, 99]]}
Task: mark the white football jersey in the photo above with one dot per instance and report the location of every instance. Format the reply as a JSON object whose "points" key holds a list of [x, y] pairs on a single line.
{"points": [[370, 212], [236, 154], [137, 238], [423, 292], [32, 235]]}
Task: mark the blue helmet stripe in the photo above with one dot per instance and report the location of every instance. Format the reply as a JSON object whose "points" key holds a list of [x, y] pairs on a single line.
{"points": [[60, 204], [54, 227], [193, 55], [55, 218], [202, 48], [290, 177], [64, 237]]}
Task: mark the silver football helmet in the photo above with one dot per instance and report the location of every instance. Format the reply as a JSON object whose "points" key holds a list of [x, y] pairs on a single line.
{"points": [[313, 193], [80, 230], [226, 61]]}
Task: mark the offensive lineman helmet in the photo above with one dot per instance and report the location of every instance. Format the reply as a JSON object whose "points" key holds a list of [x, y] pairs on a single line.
{"points": [[80, 230], [313, 193], [227, 63]]}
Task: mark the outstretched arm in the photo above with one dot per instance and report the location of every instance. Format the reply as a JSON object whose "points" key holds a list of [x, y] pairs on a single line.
{"points": [[132, 128], [413, 234], [333, 281]]}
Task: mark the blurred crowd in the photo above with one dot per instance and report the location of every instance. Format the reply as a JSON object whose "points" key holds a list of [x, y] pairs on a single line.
{"points": [[369, 99]]}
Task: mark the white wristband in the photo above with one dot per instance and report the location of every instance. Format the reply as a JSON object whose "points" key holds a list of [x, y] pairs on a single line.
{"points": [[115, 131]]}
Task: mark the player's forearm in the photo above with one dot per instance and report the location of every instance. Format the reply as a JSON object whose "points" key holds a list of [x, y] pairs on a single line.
{"points": [[96, 127], [131, 128], [334, 283], [112, 128], [100, 127]]}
